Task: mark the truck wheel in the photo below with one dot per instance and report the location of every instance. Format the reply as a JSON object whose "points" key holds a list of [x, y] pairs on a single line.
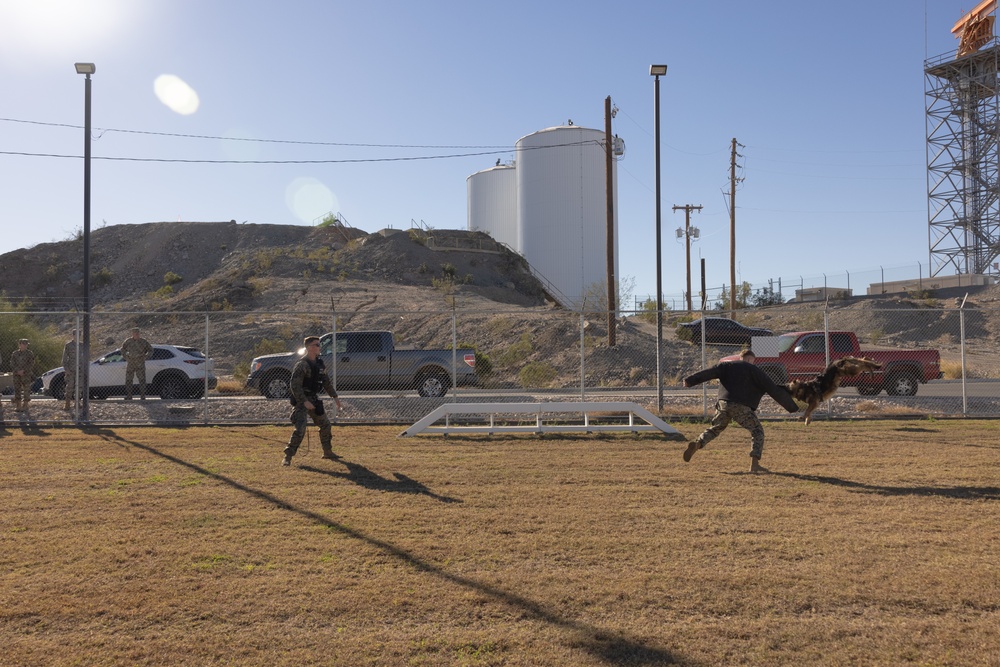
{"points": [[433, 385], [902, 384], [868, 389], [275, 386]]}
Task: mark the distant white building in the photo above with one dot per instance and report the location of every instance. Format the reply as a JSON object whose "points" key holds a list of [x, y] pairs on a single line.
{"points": [[550, 206]]}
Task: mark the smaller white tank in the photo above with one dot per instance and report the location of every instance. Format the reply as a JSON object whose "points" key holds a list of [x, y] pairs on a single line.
{"points": [[492, 203]]}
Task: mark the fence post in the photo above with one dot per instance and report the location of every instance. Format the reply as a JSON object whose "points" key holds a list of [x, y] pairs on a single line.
{"points": [[704, 364], [961, 331], [454, 353], [583, 374], [826, 344], [333, 350], [206, 369]]}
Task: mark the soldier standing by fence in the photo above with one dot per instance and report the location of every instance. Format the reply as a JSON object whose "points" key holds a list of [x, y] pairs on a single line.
{"points": [[22, 365], [71, 366], [136, 350]]}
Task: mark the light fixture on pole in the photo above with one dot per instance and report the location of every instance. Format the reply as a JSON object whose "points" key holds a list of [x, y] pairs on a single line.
{"points": [[657, 71], [83, 377]]}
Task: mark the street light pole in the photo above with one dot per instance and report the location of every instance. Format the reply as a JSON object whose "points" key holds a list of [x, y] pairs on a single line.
{"points": [[83, 373], [657, 71]]}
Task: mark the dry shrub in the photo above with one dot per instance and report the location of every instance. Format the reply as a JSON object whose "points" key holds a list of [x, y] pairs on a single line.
{"points": [[884, 408], [952, 369]]}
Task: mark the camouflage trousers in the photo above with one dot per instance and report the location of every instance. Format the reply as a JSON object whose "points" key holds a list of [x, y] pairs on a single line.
{"points": [[70, 389], [300, 418], [135, 372], [22, 390], [728, 411]]}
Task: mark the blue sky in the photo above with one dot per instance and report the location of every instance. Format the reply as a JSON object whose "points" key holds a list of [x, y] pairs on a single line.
{"points": [[825, 98]]}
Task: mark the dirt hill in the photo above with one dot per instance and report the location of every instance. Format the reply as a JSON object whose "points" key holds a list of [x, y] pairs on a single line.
{"points": [[276, 281]]}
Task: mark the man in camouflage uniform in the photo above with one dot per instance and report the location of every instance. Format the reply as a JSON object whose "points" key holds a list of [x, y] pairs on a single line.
{"points": [[136, 350], [741, 386], [22, 365], [70, 364], [308, 377]]}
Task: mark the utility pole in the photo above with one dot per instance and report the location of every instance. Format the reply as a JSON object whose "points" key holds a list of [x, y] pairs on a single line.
{"points": [[732, 225], [687, 243], [612, 279]]}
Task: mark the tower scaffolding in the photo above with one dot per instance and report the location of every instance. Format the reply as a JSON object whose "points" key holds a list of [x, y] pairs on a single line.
{"points": [[963, 154]]}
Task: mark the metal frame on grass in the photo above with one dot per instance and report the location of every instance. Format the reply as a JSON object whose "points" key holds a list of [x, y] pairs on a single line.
{"points": [[586, 408]]}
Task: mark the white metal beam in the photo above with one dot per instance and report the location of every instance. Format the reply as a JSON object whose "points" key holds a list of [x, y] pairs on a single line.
{"points": [[560, 410]]}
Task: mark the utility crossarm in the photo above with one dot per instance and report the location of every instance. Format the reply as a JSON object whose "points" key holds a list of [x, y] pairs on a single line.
{"points": [[591, 414]]}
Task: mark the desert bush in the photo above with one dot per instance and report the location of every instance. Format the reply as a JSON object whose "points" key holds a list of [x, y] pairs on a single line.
{"points": [[171, 278], [101, 278], [536, 374], [516, 352], [952, 370]]}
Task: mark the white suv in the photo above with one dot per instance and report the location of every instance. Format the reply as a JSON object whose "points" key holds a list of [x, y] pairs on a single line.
{"points": [[172, 371]]}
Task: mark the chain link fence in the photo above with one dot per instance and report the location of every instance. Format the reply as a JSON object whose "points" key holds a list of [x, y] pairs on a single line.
{"points": [[199, 370]]}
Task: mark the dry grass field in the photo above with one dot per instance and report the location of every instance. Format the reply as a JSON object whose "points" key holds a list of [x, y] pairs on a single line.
{"points": [[868, 543]]}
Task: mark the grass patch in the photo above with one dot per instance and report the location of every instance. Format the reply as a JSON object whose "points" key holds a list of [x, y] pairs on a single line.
{"points": [[870, 542]]}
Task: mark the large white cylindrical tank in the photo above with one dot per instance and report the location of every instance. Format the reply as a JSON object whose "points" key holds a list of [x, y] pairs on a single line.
{"points": [[562, 210], [492, 203]]}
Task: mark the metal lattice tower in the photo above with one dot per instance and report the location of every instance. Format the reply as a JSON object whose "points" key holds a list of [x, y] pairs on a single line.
{"points": [[963, 159]]}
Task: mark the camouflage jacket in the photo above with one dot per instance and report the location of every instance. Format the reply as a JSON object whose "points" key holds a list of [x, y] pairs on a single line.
{"points": [[136, 349], [23, 360], [69, 357]]}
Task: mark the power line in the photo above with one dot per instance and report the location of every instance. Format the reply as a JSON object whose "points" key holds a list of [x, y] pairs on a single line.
{"points": [[190, 161], [247, 139]]}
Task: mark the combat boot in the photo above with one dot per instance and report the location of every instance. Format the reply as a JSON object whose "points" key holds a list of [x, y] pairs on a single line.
{"points": [[329, 455], [17, 406], [67, 406], [693, 446], [755, 465]]}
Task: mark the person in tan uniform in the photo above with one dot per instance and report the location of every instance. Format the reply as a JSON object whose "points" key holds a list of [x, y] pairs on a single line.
{"points": [[22, 366], [136, 350], [70, 363]]}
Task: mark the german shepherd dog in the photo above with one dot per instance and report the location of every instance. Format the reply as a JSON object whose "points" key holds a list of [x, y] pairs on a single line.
{"points": [[823, 386]]}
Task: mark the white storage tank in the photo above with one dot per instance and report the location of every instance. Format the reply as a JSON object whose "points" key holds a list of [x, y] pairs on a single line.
{"points": [[562, 209], [492, 203]]}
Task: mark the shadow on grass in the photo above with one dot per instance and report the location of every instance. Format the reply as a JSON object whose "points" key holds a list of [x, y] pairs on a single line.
{"points": [[362, 476], [957, 492], [612, 648]]}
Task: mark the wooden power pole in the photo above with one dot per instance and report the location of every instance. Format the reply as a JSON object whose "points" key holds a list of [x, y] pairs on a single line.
{"points": [[687, 245], [732, 225]]}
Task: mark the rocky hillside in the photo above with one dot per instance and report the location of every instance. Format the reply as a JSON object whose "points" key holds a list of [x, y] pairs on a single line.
{"points": [[274, 283]]}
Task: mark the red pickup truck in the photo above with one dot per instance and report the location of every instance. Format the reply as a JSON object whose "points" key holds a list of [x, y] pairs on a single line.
{"points": [[802, 356]]}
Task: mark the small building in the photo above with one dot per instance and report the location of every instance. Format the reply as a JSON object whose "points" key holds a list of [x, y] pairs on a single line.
{"points": [[823, 293], [930, 283]]}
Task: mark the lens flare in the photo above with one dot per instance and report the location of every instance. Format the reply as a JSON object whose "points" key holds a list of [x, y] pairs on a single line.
{"points": [[176, 94], [309, 199]]}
